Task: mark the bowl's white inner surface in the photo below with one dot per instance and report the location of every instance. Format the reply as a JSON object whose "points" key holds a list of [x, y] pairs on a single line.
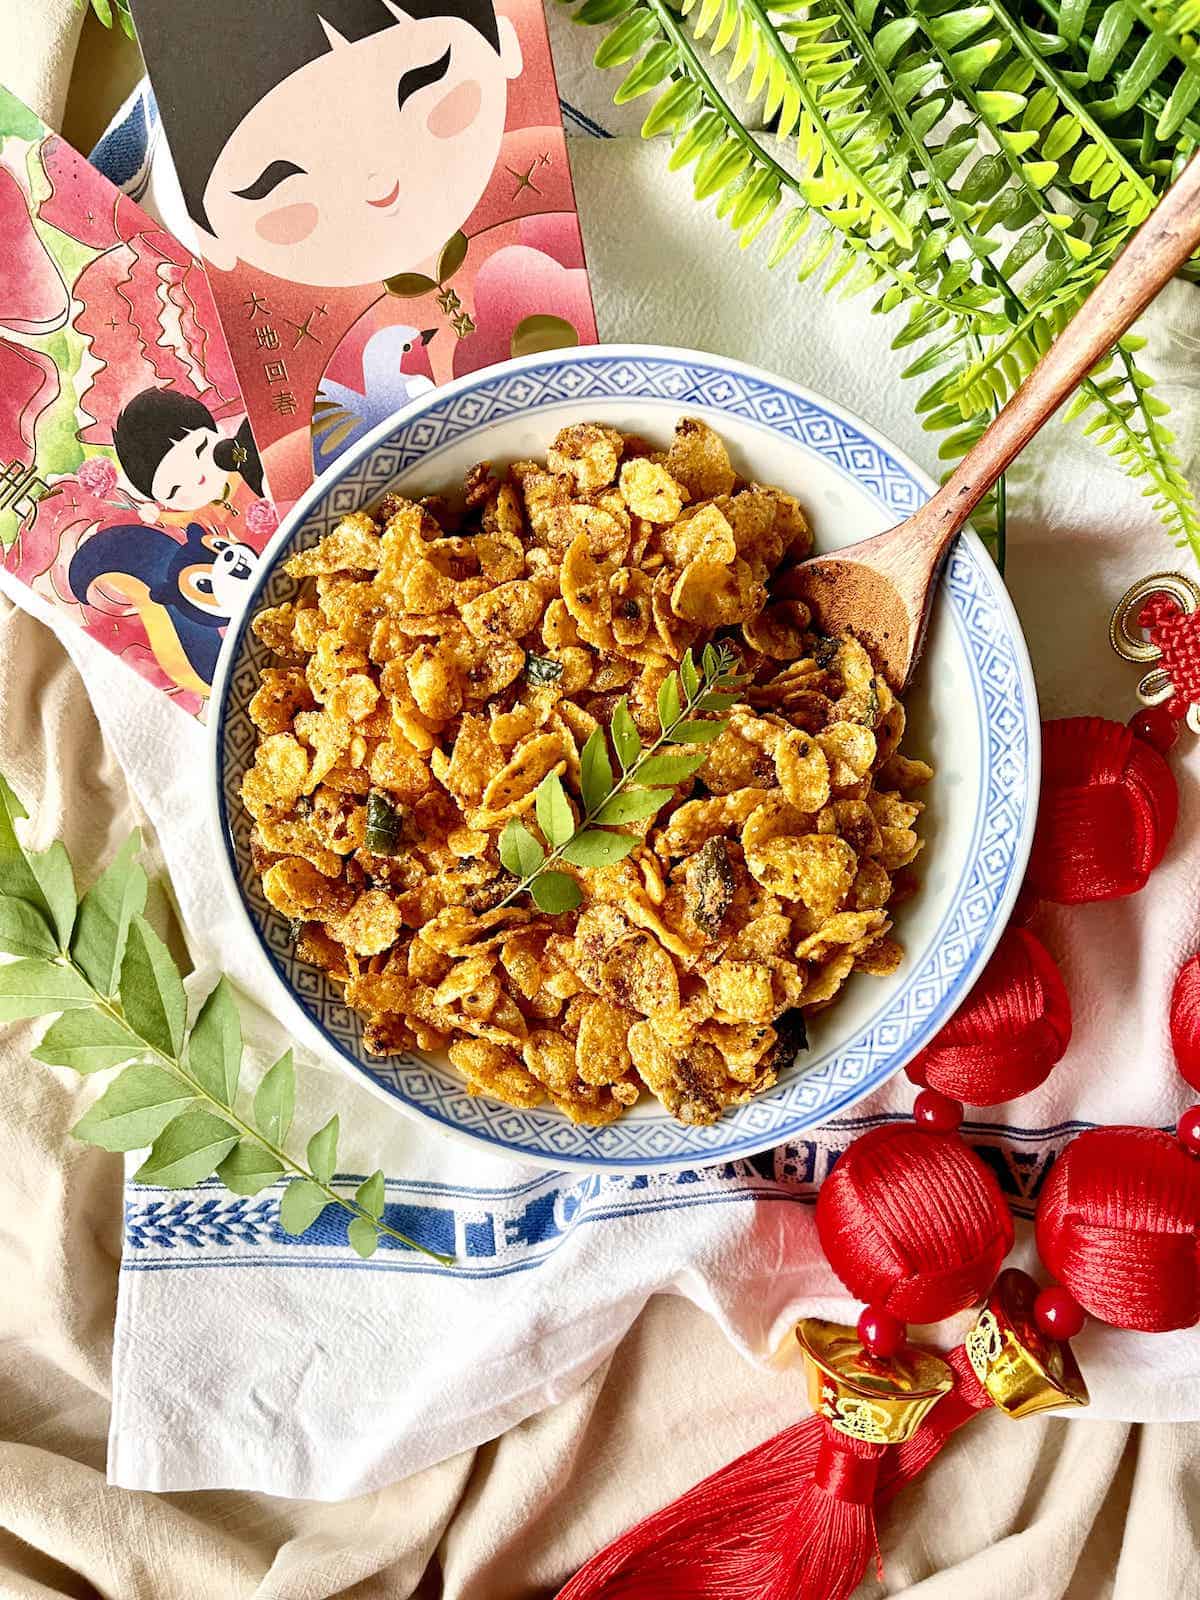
{"points": [[944, 715]]}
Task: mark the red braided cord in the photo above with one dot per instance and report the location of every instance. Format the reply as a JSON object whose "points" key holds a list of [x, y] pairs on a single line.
{"points": [[1007, 1035], [1118, 1223], [1185, 1021], [1107, 811]]}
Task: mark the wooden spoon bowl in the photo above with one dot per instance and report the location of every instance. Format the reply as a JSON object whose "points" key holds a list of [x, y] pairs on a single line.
{"points": [[881, 589]]}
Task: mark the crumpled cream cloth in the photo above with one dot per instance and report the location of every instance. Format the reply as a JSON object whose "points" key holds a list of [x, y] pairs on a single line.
{"points": [[1036, 1510]]}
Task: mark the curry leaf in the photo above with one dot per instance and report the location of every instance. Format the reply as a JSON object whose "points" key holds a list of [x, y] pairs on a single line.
{"points": [[24, 931], [152, 996], [668, 702], [554, 814], [34, 988], [248, 1168], [370, 1195], [519, 850], [322, 1151], [214, 1055], [595, 771], [118, 894], [187, 1150], [670, 769], [87, 1041], [626, 739], [301, 1204], [363, 1236], [597, 848], [274, 1100], [52, 869], [134, 1109], [555, 892], [632, 805]]}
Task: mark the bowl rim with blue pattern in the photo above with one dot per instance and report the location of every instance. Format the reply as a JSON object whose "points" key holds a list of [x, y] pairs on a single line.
{"points": [[934, 978]]}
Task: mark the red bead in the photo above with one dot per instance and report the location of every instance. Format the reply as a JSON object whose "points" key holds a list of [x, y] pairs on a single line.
{"points": [[1187, 1130], [937, 1113], [1058, 1314], [1157, 726], [880, 1332]]}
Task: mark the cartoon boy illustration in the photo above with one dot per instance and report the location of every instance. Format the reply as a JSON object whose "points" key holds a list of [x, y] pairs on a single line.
{"points": [[174, 453], [349, 139]]}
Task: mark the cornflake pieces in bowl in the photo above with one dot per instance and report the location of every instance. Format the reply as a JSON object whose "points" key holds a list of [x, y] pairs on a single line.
{"points": [[547, 781]]}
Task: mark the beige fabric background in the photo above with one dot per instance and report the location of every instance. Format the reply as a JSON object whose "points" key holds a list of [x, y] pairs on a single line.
{"points": [[1040, 1510]]}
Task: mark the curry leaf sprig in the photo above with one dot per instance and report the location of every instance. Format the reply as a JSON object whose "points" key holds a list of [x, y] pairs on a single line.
{"points": [[99, 968], [645, 780]]}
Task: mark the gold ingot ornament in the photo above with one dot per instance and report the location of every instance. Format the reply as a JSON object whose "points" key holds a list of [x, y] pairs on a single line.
{"points": [[878, 1401], [1022, 1370]]}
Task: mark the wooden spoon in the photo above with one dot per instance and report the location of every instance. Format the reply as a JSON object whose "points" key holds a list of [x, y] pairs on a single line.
{"points": [[881, 588]]}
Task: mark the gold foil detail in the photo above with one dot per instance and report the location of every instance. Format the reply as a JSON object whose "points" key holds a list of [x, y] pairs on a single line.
{"points": [[880, 1402], [1023, 1371]]}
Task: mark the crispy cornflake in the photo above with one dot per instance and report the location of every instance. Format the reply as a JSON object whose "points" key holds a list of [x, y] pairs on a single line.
{"points": [[849, 749], [435, 666], [803, 771], [587, 454], [585, 593], [815, 868], [699, 460], [650, 491], [353, 545]]}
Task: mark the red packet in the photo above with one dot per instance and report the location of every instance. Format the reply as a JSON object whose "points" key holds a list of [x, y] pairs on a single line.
{"points": [[381, 195], [132, 495]]}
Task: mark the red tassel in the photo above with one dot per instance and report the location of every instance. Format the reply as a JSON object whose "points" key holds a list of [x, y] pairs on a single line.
{"points": [[786, 1521], [907, 1461], [1107, 812], [714, 1540], [913, 1222], [1185, 1021], [1012, 1028], [1118, 1223]]}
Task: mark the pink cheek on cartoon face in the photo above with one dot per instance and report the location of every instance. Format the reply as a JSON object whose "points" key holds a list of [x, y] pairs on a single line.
{"points": [[457, 111], [289, 224]]}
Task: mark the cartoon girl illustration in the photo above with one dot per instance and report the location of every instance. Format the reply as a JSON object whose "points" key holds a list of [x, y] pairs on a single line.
{"points": [[381, 192], [348, 142], [173, 452]]}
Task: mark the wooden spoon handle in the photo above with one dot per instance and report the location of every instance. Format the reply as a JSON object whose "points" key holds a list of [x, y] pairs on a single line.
{"points": [[1169, 235]]}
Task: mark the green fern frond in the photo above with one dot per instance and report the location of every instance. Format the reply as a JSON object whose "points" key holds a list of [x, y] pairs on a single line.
{"points": [[975, 163]]}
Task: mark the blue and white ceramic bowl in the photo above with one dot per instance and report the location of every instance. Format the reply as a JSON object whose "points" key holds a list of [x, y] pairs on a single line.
{"points": [[972, 712]]}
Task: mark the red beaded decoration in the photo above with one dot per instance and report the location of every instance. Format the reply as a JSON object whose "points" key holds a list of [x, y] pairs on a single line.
{"points": [[937, 1113], [1157, 726], [1187, 1130], [881, 1333], [1058, 1314], [1008, 1034], [1185, 1021], [1107, 812], [1118, 1224], [912, 1223]]}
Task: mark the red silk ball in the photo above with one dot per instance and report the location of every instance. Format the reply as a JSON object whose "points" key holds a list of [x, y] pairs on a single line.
{"points": [[913, 1222], [1008, 1033], [1185, 1021], [1118, 1224], [1106, 815]]}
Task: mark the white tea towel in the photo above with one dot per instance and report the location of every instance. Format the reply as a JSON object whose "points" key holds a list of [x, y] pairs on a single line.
{"points": [[246, 1358]]}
